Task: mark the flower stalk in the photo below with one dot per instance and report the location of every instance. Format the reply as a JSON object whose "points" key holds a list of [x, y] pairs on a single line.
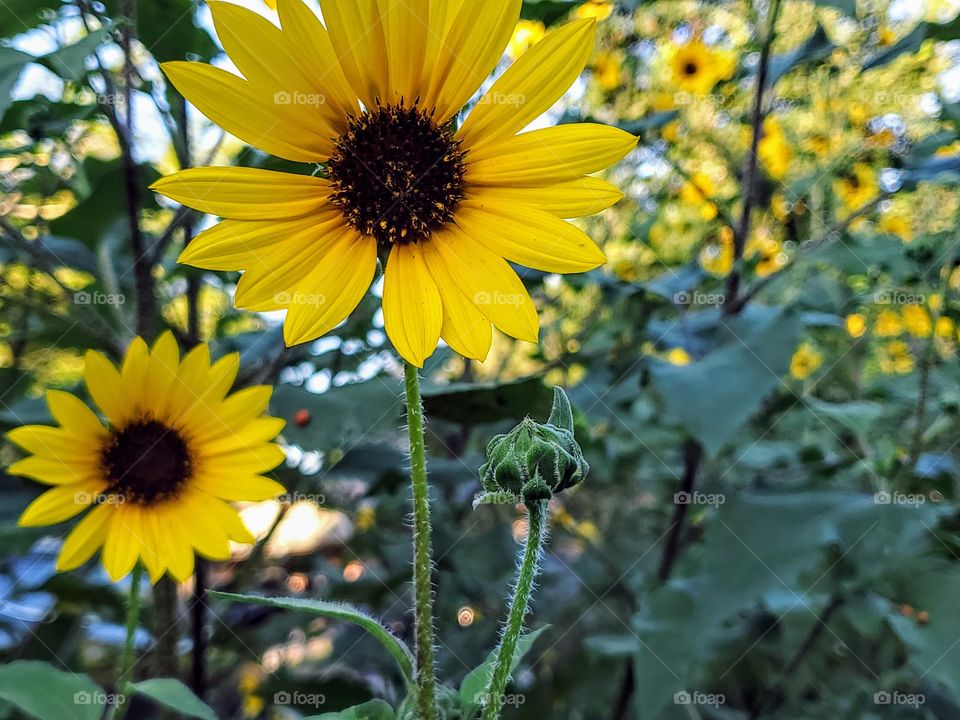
{"points": [[125, 667], [528, 567], [422, 551]]}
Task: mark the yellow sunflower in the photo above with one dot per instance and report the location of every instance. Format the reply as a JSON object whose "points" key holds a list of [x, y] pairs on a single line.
{"points": [[697, 68], [158, 476], [372, 99]]}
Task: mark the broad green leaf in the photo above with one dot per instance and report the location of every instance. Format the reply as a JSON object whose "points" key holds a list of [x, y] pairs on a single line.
{"points": [[340, 417], [68, 62], [168, 29], [339, 611], [816, 47], [475, 682], [175, 695], [373, 710], [856, 416], [716, 395], [19, 16], [492, 402], [41, 691]]}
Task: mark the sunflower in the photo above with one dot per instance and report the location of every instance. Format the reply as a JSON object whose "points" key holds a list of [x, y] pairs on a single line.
{"points": [[372, 99], [697, 68], [157, 477]]}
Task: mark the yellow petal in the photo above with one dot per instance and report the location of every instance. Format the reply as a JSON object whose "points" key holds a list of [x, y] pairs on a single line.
{"points": [[239, 488], [61, 503], [252, 435], [205, 534], [54, 443], [133, 374], [103, 382], [412, 312], [174, 548], [234, 413], [54, 471], [73, 415], [246, 193], [356, 32], [122, 545], [473, 46], [486, 279], [406, 25], [86, 538], [190, 382], [531, 85], [574, 198], [150, 552], [254, 113], [332, 289], [530, 237], [251, 461], [229, 519], [548, 156], [304, 33], [162, 369], [465, 328]]}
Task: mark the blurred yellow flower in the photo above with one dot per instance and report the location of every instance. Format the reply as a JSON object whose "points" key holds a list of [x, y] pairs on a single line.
{"points": [[945, 327], [527, 34], [608, 69], [855, 324], [917, 321], [698, 191], [888, 323], [594, 9], [858, 187], [697, 68], [774, 151], [897, 223], [805, 362], [895, 358], [716, 257], [772, 258], [679, 356]]}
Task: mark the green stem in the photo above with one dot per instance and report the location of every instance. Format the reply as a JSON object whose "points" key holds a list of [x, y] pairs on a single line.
{"points": [[422, 552], [119, 710], [527, 570]]}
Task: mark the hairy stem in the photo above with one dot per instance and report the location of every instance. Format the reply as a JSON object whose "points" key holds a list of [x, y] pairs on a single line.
{"points": [[527, 570], [125, 666], [422, 551]]}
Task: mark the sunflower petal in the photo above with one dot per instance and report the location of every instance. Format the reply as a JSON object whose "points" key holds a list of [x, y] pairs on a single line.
{"points": [[485, 278], [253, 113], [252, 488], [465, 329], [531, 85], [73, 415], [412, 311], [406, 25], [332, 289], [356, 32], [470, 52], [574, 198], [86, 538], [530, 237], [550, 155], [54, 443], [245, 193], [61, 503], [103, 382], [122, 546]]}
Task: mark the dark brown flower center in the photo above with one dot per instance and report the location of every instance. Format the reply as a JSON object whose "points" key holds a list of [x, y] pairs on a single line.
{"points": [[690, 68], [145, 462], [396, 174]]}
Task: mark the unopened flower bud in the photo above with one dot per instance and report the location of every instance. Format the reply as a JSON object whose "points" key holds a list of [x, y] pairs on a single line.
{"points": [[535, 461]]}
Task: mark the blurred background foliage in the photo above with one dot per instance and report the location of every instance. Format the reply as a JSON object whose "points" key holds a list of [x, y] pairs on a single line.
{"points": [[765, 377]]}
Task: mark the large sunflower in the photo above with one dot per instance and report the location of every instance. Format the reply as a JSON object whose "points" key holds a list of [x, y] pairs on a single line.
{"points": [[372, 98], [158, 476]]}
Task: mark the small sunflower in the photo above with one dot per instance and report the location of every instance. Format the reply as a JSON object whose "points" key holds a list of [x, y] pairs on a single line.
{"points": [[697, 68], [372, 98], [158, 476]]}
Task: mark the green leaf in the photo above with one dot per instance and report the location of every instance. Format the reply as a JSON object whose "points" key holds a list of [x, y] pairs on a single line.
{"points": [[339, 611], [12, 63], [715, 396], [491, 402], [19, 16], [68, 62], [857, 416], [475, 682], [175, 695], [373, 710], [816, 47], [168, 29], [340, 417], [41, 691]]}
